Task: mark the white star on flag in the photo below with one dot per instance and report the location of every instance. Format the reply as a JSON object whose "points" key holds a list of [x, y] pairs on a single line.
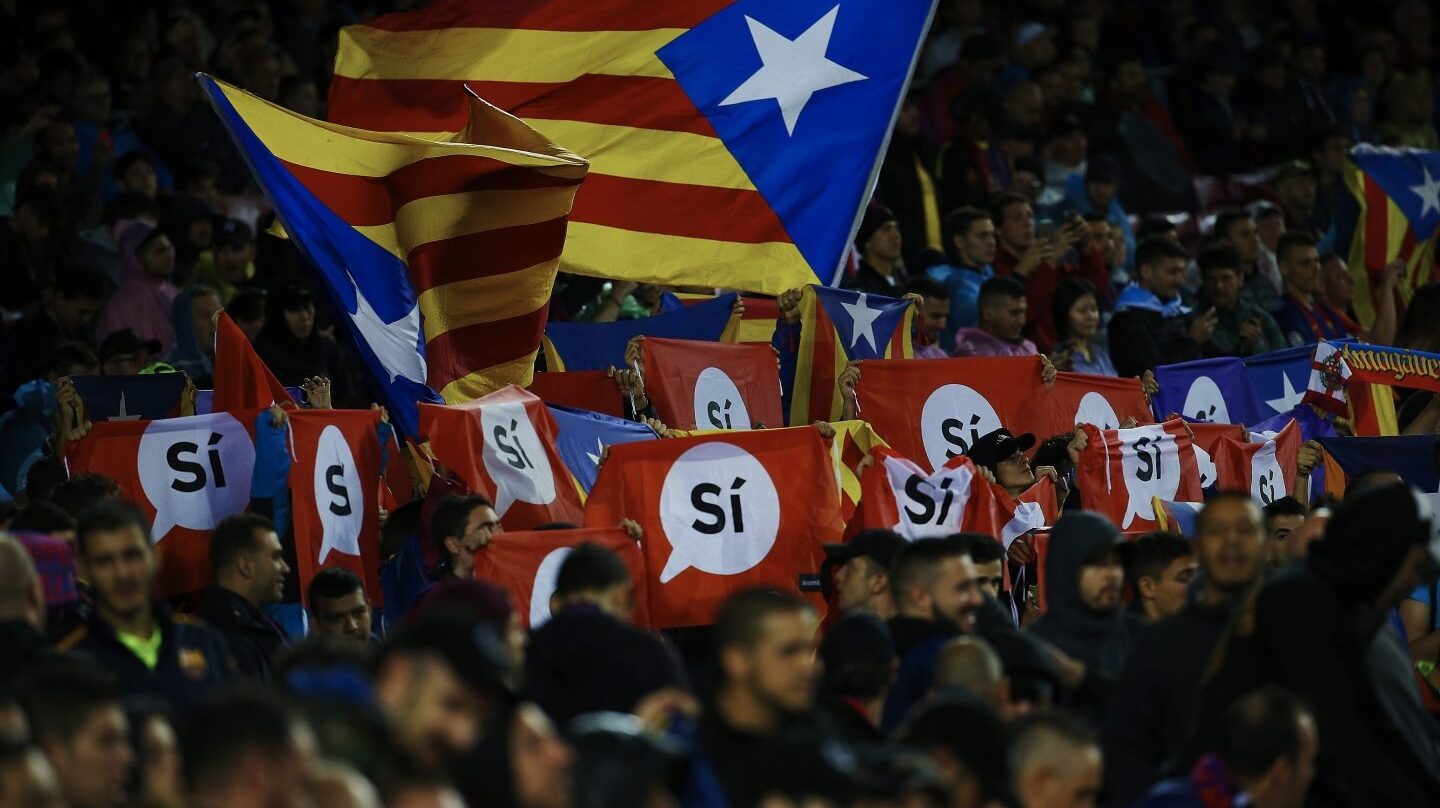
{"points": [[1289, 400], [1429, 193], [862, 322], [394, 343], [599, 450], [793, 70], [123, 414]]}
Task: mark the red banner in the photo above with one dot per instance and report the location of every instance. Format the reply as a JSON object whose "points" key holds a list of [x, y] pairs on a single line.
{"points": [[1265, 468], [334, 487], [525, 564], [712, 385], [1084, 398], [1122, 470], [583, 389], [242, 380]]}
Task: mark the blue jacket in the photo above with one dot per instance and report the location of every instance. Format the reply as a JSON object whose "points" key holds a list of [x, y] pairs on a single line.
{"points": [[1077, 198], [963, 284]]}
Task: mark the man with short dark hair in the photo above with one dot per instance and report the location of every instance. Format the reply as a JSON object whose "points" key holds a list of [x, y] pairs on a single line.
{"points": [[461, 525], [229, 263], [246, 748], [1259, 280], [1158, 568], [247, 309], [1337, 285], [76, 719], [149, 649], [249, 568], [1241, 327], [68, 315], [1282, 518], [338, 605], [1152, 325], [930, 318], [1055, 762], [1000, 330], [1305, 318], [859, 662], [972, 247], [882, 263], [862, 572], [988, 556]]}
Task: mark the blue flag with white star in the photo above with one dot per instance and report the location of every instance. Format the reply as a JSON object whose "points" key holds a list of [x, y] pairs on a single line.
{"points": [[1214, 390], [804, 94], [147, 397], [581, 436], [1410, 177], [1278, 378]]}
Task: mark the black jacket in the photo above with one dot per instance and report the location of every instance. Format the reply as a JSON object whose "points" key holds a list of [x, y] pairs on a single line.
{"points": [[1141, 339], [193, 657], [254, 638], [24, 647]]}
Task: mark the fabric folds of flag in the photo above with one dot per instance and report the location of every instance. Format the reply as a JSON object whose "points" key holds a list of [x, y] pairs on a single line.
{"points": [[441, 253], [130, 398], [1396, 195], [733, 141], [597, 346], [242, 380]]}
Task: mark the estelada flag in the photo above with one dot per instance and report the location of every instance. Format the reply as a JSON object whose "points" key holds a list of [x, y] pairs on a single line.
{"points": [[934, 409], [525, 564], [185, 475], [503, 446], [592, 390], [1086, 398], [242, 379], [148, 396], [722, 512], [853, 442], [757, 322], [901, 496], [334, 488], [711, 385], [835, 327], [1121, 471], [1264, 468]]}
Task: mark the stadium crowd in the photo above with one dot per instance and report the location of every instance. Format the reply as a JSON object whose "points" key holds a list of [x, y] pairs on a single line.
{"points": [[1113, 184]]}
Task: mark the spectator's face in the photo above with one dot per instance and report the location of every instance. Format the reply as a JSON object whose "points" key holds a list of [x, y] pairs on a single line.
{"points": [[1330, 157], [1301, 269], [1075, 783], [301, 321], [1230, 544], [1017, 226], [884, 243], [1222, 287], [1102, 193], [262, 76], [977, 245], [1299, 193], [990, 576], [1100, 237], [157, 257], [933, 316], [267, 560], [1164, 277], [61, 147], [135, 58], [125, 364], [120, 566], [1025, 104], [435, 717], [1270, 227], [779, 668], [202, 313], [95, 763], [92, 101], [199, 233], [1374, 67], [1130, 79], [1014, 473], [1024, 181], [1310, 62], [1005, 318], [1339, 284], [1100, 585], [1272, 77], [75, 313], [30, 782], [1119, 250], [482, 525], [1084, 318], [347, 616], [541, 761], [160, 774], [1167, 591], [956, 593], [139, 178], [855, 583], [1244, 236], [1278, 530], [231, 261]]}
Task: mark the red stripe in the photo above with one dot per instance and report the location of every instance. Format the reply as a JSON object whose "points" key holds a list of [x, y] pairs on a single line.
{"points": [[1377, 226], [823, 372], [481, 255], [462, 351], [553, 15], [398, 105], [674, 209], [363, 201]]}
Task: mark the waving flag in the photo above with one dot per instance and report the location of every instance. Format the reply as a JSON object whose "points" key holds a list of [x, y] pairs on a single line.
{"points": [[733, 141], [835, 327], [1416, 458], [334, 494], [242, 380], [581, 437], [525, 564], [1397, 194], [854, 441], [1265, 468], [503, 446], [185, 475], [702, 385], [441, 254], [1278, 378], [1122, 471], [597, 346], [1215, 390], [130, 398], [722, 512], [1007, 518]]}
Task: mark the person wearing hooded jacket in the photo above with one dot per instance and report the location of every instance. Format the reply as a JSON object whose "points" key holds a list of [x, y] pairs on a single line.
{"points": [[146, 294], [1319, 628], [1084, 618], [193, 314]]}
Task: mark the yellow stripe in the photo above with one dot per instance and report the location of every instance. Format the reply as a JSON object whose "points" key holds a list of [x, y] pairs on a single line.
{"points": [[361, 152], [1383, 399], [756, 331], [553, 362], [607, 252], [500, 54], [483, 382], [648, 154], [434, 218], [804, 359], [487, 299]]}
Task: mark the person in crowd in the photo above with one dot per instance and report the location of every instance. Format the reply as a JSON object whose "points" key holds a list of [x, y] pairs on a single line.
{"points": [[248, 310], [1003, 455], [67, 316], [194, 317], [1283, 517], [882, 264], [967, 663], [1158, 569], [1299, 198], [1147, 727], [76, 719], [461, 525], [1337, 285], [972, 245], [589, 657], [1055, 761], [31, 247], [150, 649], [124, 353], [338, 606], [1305, 318], [249, 567], [1266, 758], [1317, 629], [1152, 325], [1097, 193], [146, 295], [246, 748], [292, 345], [988, 556], [22, 611], [1242, 328], [525, 762], [1078, 344], [1000, 330], [1260, 280], [157, 781], [931, 317], [965, 739], [26, 778], [1041, 261], [858, 662], [230, 262], [862, 573]]}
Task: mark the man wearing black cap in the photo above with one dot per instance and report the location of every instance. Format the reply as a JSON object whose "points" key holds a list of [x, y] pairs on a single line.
{"points": [[882, 267], [1003, 456], [229, 262], [122, 353], [862, 572]]}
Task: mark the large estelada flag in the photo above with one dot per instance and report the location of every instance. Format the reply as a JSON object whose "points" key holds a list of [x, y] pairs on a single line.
{"points": [[598, 346], [334, 494], [503, 446], [242, 379], [1264, 468], [709, 385], [835, 327], [525, 564], [130, 398], [1397, 211], [440, 253], [722, 512], [185, 475], [733, 141], [1122, 471]]}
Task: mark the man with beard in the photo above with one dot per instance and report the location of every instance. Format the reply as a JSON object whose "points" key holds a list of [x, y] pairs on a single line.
{"points": [[862, 572], [1146, 728]]}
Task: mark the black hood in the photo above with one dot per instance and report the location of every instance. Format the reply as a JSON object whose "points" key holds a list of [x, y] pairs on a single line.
{"points": [[1080, 537], [1367, 539]]}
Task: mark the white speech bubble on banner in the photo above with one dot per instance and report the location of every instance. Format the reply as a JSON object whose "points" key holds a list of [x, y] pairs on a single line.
{"points": [[339, 499], [718, 404], [195, 471], [1096, 410], [514, 457], [928, 504], [544, 586], [1267, 480], [1208, 473], [1204, 402], [1150, 461], [719, 510], [953, 418]]}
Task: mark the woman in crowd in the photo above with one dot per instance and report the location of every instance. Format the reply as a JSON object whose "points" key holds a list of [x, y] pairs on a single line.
{"points": [[1079, 346]]}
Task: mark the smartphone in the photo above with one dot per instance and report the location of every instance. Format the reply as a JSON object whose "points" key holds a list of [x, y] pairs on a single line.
{"points": [[1045, 229]]}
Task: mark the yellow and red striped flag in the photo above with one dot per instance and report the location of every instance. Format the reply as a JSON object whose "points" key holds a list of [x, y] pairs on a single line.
{"points": [[1396, 202]]}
